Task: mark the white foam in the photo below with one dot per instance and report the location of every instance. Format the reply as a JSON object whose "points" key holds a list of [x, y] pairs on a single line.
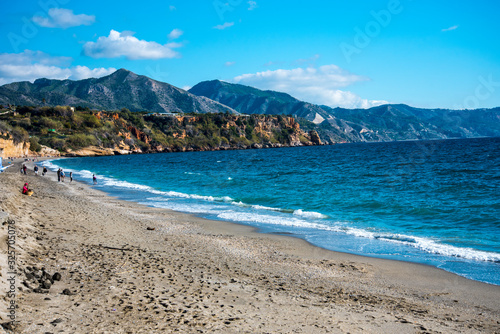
{"points": [[261, 207], [266, 208], [123, 184], [425, 244], [268, 219], [85, 173], [309, 214], [468, 253], [199, 197]]}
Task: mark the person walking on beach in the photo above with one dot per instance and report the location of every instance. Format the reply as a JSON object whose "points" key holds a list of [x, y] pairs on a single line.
{"points": [[94, 178], [44, 171], [36, 170], [24, 169], [59, 175], [70, 177], [62, 175]]}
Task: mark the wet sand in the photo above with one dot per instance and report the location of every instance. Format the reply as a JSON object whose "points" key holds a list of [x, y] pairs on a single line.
{"points": [[128, 268]]}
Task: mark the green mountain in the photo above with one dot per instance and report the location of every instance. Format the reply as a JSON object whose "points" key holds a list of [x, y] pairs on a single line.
{"points": [[249, 100], [122, 89], [383, 123]]}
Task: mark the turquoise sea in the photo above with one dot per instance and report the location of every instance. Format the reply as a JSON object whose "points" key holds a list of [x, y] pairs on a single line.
{"points": [[431, 202]]}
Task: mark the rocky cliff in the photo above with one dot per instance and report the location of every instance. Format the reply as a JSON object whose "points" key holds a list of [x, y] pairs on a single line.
{"points": [[84, 132], [9, 149]]}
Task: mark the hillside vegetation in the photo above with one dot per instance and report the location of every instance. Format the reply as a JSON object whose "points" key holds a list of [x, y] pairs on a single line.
{"points": [[81, 131]]}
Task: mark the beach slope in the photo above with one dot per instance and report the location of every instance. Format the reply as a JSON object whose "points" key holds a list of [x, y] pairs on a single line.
{"points": [[89, 263]]}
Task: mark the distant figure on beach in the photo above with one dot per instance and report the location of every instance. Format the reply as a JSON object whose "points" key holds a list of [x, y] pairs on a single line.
{"points": [[24, 169], [59, 175], [44, 171], [26, 190], [94, 178], [70, 177], [62, 175], [36, 170]]}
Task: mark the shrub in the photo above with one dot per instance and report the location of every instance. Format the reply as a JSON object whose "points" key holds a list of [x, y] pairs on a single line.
{"points": [[25, 123], [77, 121], [19, 135], [159, 137], [57, 144], [249, 131], [63, 111], [34, 145], [91, 121], [81, 140], [4, 127], [50, 123]]}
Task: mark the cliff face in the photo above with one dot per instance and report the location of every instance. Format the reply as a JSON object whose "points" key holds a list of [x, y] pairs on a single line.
{"points": [[73, 132], [9, 149], [226, 132]]}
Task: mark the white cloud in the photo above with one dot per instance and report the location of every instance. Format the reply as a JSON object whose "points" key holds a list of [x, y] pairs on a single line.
{"points": [[450, 28], [83, 72], [174, 34], [125, 44], [229, 63], [63, 18], [28, 57], [31, 65], [314, 85], [172, 8], [224, 26], [252, 5]]}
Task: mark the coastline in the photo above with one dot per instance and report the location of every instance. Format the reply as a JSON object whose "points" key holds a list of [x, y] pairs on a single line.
{"points": [[136, 269]]}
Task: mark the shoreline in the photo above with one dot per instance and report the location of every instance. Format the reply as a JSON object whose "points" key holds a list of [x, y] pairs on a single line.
{"points": [[266, 282], [416, 259]]}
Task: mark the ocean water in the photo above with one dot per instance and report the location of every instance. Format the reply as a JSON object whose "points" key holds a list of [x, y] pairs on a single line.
{"points": [[431, 202]]}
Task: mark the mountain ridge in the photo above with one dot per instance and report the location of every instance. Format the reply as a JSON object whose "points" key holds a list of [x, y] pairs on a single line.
{"points": [[389, 122], [121, 89], [125, 89]]}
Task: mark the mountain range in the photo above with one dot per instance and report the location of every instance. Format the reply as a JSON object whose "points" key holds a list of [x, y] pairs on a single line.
{"points": [[124, 89], [383, 123], [121, 89]]}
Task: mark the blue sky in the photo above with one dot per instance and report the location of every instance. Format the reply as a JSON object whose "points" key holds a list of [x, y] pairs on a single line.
{"points": [[433, 54]]}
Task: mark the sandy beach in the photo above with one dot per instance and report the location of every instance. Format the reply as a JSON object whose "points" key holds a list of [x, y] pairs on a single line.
{"points": [[89, 263]]}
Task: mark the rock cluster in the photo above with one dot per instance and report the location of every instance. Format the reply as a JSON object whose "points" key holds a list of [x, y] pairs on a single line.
{"points": [[38, 280]]}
